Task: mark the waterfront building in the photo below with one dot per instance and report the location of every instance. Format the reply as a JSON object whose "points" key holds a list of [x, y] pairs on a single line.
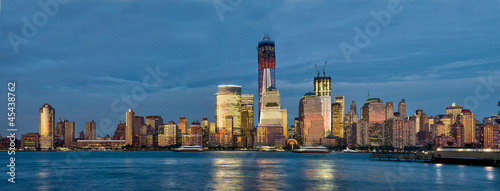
{"points": [[138, 123], [30, 141], [69, 133], [457, 132], [129, 127], [323, 90], [489, 136], [120, 132], [271, 117], [454, 110], [59, 131], [337, 123], [81, 135], [373, 111], [311, 122], [468, 120], [351, 120], [90, 130], [362, 133], [228, 108], [338, 117], [46, 126], [247, 119]]}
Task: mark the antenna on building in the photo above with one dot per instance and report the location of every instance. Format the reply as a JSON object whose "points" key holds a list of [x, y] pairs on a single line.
{"points": [[316, 69], [324, 70]]}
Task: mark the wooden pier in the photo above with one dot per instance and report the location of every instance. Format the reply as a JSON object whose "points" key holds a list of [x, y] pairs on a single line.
{"points": [[403, 156]]}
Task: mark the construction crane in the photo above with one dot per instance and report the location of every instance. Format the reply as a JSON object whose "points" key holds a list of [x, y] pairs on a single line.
{"points": [[324, 70], [316, 69]]}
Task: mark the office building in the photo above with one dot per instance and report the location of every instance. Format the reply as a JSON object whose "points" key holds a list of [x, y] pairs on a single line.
{"points": [[46, 126], [267, 62], [90, 130]]}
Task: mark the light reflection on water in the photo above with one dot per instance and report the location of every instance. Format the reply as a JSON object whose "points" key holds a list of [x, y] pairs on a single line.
{"points": [[240, 171], [489, 172]]}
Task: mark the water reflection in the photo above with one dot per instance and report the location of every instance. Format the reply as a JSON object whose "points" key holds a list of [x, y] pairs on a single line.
{"points": [[226, 174], [320, 174], [439, 175], [489, 172], [270, 174]]}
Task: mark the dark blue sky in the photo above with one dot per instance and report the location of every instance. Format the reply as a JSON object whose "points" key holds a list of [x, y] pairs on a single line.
{"points": [[88, 57]]}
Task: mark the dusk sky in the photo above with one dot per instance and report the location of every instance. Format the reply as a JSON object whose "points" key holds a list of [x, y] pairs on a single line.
{"points": [[88, 56]]}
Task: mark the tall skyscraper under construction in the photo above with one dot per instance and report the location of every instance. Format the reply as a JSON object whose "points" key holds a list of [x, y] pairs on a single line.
{"points": [[267, 62]]}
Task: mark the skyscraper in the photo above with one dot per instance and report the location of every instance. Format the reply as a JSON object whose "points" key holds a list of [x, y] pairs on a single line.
{"points": [[267, 63], [90, 130], [271, 130], [311, 121], [389, 110], [338, 116], [489, 135], [247, 118], [454, 110], [46, 126], [69, 133], [323, 89], [350, 122], [402, 109], [228, 104], [468, 120], [129, 127]]}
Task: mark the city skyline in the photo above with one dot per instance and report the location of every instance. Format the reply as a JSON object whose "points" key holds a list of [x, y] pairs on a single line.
{"points": [[53, 78]]}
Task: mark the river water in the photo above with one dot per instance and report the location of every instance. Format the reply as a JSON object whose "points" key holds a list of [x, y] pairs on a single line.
{"points": [[236, 170]]}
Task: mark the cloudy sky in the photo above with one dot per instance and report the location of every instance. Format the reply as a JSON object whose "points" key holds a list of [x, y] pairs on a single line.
{"points": [[94, 59]]}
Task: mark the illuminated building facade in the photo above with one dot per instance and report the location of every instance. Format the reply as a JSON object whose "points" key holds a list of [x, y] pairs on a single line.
{"points": [[247, 118], [267, 63], [169, 135], [454, 110], [46, 126], [182, 129], [337, 125], [271, 117], [373, 111], [228, 104], [311, 119], [338, 115], [468, 120], [489, 136], [90, 130], [323, 90], [129, 127]]}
